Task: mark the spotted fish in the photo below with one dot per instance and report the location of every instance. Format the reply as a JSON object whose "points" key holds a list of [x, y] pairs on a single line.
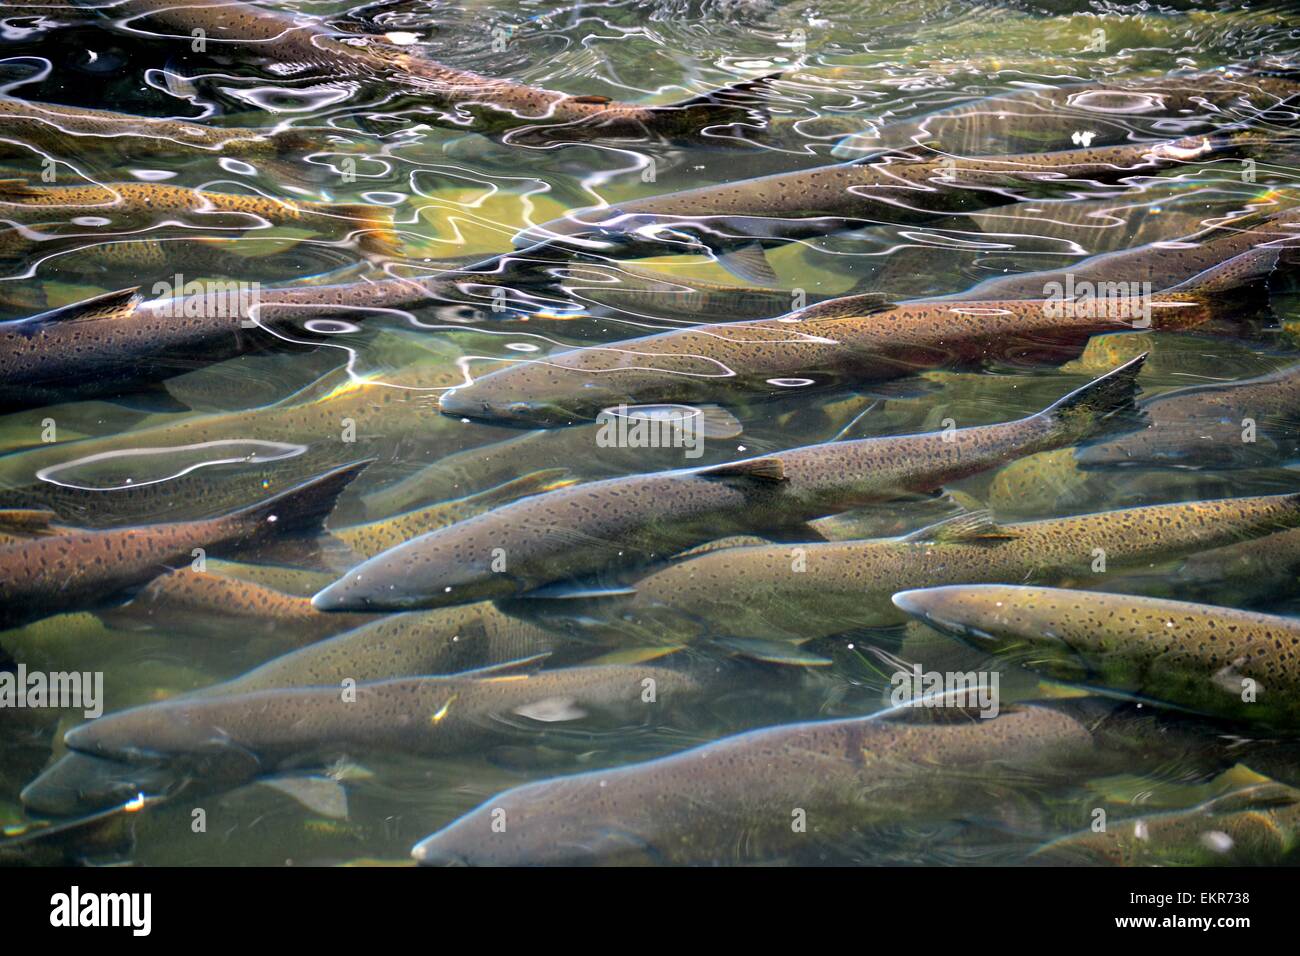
{"points": [[618, 522], [297, 43], [853, 339], [740, 799], [1214, 660], [798, 592], [80, 570]]}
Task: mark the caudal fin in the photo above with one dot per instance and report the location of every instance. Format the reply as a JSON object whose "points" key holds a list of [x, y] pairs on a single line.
{"points": [[1233, 289], [301, 511], [1104, 403], [728, 104]]}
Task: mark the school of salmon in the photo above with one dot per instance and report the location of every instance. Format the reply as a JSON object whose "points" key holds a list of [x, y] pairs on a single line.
{"points": [[935, 474]]}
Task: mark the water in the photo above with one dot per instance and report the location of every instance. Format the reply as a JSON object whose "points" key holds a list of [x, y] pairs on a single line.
{"points": [[365, 383]]}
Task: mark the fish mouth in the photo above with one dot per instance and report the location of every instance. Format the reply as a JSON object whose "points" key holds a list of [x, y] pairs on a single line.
{"points": [[82, 740], [926, 605], [428, 853], [524, 414], [343, 595]]}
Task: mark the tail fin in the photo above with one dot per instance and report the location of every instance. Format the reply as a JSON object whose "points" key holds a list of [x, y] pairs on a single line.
{"points": [[379, 237], [1233, 289], [724, 105], [1102, 403], [300, 511]]}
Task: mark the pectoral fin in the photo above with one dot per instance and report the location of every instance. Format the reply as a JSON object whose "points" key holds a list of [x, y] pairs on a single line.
{"points": [[320, 795]]}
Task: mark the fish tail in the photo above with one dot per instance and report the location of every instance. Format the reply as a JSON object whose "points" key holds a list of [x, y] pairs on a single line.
{"points": [[727, 104], [1103, 404], [1234, 288], [379, 236], [300, 511]]}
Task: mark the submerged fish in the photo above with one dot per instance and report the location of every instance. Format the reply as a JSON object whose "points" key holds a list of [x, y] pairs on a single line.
{"points": [[799, 592], [59, 129], [588, 527], [655, 292], [212, 603], [1213, 660], [55, 211], [855, 339], [79, 570], [743, 798], [1254, 826], [244, 735], [385, 414], [1233, 424], [296, 43], [371, 538], [1108, 112], [444, 641], [899, 188], [1163, 263]]}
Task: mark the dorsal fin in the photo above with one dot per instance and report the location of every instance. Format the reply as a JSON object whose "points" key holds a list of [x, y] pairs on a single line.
{"points": [[109, 305], [867, 303], [765, 469], [11, 189], [591, 98], [972, 526], [27, 521]]}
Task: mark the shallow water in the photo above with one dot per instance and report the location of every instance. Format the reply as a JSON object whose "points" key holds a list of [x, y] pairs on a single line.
{"points": [[365, 384]]}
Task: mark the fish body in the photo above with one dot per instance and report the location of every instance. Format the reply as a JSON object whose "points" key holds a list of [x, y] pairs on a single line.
{"points": [[1254, 826], [1227, 425], [67, 211], [427, 716], [212, 603], [799, 592], [654, 292], [619, 522], [1214, 660], [78, 570], [898, 188], [1107, 113], [58, 128], [1163, 263], [853, 339], [443, 641], [740, 799], [296, 43], [373, 537]]}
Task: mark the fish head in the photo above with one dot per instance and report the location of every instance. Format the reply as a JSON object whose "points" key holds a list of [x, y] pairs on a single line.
{"points": [[439, 569], [179, 736], [79, 783], [551, 823], [997, 618]]}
